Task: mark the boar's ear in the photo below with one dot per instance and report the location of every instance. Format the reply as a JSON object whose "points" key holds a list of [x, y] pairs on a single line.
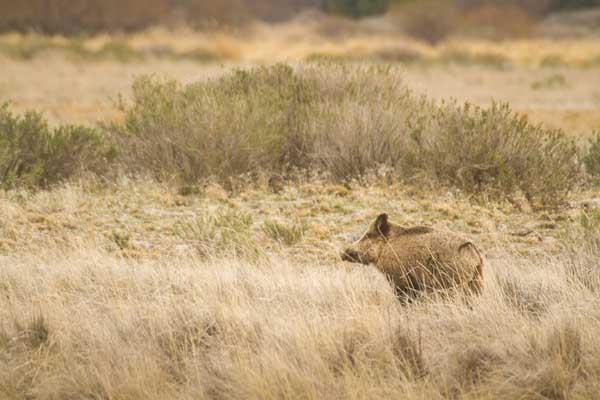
{"points": [[382, 225]]}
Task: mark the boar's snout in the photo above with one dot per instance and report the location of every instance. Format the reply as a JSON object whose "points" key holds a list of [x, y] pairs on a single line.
{"points": [[351, 256]]}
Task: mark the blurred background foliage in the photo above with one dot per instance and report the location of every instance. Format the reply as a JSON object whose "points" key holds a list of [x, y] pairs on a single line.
{"points": [[89, 16]]}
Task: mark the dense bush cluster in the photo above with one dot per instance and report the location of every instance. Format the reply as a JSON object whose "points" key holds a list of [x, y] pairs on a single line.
{"points": [[343, 120], [592, 158], [233, 125], [475, 149], [33, 155]]}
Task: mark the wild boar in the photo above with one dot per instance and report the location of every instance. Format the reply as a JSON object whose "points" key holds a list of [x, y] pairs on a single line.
{"points": [[419, 259]]}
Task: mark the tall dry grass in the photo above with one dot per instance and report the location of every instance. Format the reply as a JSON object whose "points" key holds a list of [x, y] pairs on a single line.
{"points": [[85, 324], [132, 290]]}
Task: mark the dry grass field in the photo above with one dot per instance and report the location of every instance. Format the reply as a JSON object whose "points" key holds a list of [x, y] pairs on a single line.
{"points": [[127, 286], [132, 290]]}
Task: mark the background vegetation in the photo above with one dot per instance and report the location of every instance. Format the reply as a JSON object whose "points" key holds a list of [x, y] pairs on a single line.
{"points": [[87, 16], [334, 119], [33, 155]]}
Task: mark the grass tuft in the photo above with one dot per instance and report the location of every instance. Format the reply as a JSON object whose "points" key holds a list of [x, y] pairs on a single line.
{"points": [[288, 234], [219, 234]]}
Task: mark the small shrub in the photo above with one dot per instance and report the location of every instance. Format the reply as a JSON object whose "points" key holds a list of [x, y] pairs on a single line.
{"points": [[363, 121], [590, 222], [33, 155], [591, 159], [476, 148]]}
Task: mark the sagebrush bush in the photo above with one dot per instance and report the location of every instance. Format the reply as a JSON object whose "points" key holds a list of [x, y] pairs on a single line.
{"points": [[493, 148], [34, 155], [591, 158], [360, 119], [341, 119], [232, 125]]}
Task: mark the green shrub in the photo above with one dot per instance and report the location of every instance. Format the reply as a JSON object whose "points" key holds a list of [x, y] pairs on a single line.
{"points": [[476, 149], [33, 155], [342, 119], [591, 159], [224, 127]]}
